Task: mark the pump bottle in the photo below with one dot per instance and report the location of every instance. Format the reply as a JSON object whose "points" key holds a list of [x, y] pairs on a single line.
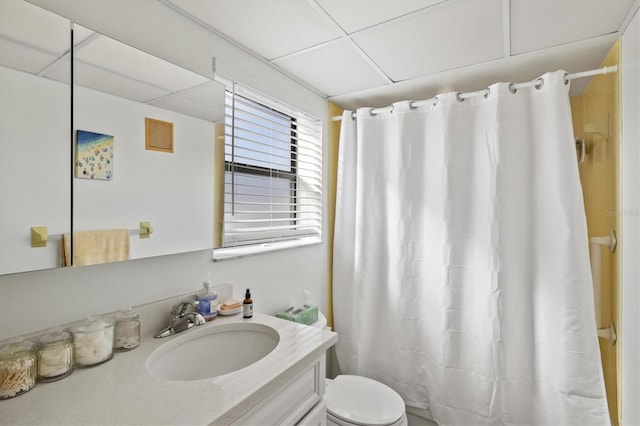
{"points": [[207, 304]]}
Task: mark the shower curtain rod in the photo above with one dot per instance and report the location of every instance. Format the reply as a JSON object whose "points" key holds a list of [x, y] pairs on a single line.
{"points": [[513, 87]]}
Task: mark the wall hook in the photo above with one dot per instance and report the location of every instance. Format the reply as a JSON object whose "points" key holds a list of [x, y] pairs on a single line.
{"points": [[39, 236], [145, 230]]}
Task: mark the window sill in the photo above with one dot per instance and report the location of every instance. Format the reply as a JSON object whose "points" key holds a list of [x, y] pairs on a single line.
{"points": [[227, 253]]}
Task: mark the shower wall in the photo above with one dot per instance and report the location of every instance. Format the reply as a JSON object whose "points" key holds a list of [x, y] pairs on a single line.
{"points": [[596, 120]]}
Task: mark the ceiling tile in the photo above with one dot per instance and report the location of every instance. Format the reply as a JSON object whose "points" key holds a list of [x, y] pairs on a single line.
{"points": [[112, 55], [269, 28], [20, 57], [59, 70], [191, 107], [211, 92], [333, 69], [80, 34], [34, 26], [574, 57], [354, 15], [115, 84], [544, 23], [440, 38]]}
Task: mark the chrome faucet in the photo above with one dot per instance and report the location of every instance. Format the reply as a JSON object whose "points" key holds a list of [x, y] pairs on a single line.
{"points": [[181, 319]]}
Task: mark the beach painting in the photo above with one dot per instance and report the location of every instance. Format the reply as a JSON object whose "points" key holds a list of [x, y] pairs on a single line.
{"points": [[94, 155]]}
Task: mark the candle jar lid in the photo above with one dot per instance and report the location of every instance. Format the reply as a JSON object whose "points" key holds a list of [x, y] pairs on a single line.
{"points": [[17, 348], [55, 335], [127, 315], [92, 323]]}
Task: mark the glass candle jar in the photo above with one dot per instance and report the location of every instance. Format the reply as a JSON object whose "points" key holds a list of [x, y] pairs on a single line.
{"points": [[17, 368], [127, 332], [93, 341], [55, 356]]}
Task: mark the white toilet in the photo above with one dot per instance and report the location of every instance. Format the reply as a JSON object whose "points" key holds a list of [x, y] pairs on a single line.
{"points": [[359, 401]]}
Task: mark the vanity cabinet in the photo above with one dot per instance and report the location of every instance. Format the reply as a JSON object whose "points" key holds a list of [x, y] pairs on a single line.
{"points": [[297, 401], [285, 387]]}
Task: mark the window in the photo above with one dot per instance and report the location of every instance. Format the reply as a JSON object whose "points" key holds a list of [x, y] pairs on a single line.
{"points": [[272, 173]]}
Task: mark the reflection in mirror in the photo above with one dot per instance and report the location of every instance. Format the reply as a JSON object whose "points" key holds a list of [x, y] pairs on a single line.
{"points": [[35, 149], [117, 88]]}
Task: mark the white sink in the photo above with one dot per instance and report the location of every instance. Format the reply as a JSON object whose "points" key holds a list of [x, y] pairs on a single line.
{"points": [[211, 351]]}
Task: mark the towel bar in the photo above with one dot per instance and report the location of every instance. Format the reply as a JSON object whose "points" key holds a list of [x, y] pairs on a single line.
{"points": [[596, 271], [40, 234]]}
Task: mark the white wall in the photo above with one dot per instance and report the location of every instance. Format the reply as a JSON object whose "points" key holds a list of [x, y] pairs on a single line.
{"points": [[174, 191], [34, 151], [630, 215], [36, 300]]}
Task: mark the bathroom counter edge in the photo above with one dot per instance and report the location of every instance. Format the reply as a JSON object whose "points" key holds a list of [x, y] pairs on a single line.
{"points": [[121, 391]]}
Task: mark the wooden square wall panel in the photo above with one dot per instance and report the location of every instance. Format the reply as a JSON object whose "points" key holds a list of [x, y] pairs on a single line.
{"points": [[159, 135]]}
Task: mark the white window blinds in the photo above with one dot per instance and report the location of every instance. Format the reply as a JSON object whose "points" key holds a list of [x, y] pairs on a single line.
{"points": [[273, 171]]}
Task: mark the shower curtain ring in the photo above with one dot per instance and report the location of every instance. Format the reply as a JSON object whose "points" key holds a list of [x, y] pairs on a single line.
{"points": [[487, 92], [435, 101], [512, 88], [372, 112], [459, 97], [412, 105], [539, 83], [566, 78]]}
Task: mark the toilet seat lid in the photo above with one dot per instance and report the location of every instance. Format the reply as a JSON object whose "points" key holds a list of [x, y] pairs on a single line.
{"points": [[363, 401]]}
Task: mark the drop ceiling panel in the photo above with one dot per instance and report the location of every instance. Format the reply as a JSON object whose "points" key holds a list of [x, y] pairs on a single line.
{"points": [[60, 70], [118, 57], [96, 78], [34, 26], [333, 69], [81, 33], [545, 23], [411, 41], [191, 107], [453, 35], [354, 15], [210, 92], [269, 28], [574, 57], [22, 58]]}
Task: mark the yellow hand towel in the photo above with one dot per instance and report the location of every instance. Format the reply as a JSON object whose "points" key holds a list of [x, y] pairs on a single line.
{"points": [[95, 247]]}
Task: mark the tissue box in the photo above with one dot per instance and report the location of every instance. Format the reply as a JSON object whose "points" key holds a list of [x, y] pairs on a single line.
{"points": [[308, 314]]}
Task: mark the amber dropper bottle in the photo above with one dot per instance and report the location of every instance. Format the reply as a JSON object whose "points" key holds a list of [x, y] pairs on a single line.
{"points": [[247, 305]]}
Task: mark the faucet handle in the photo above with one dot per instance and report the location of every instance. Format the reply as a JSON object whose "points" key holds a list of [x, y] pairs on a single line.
{"points": [[181, 308]]}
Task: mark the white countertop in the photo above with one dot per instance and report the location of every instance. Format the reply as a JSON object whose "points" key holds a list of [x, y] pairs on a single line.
{"points": [[121, 391]]}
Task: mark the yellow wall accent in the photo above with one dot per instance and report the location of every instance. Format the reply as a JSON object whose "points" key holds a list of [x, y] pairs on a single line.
{"points": [[333, 139], [218, 184], [596, 120]]}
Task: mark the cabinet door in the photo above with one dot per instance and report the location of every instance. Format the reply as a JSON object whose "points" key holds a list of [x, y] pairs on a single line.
{"points": [[291, 401]]}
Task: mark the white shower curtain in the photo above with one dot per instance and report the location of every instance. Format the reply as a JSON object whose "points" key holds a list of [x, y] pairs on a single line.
{"points": [[461, 264]]}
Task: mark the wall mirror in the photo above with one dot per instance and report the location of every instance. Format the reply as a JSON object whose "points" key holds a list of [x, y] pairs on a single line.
{"points": [[35, 114], [116, 88]]}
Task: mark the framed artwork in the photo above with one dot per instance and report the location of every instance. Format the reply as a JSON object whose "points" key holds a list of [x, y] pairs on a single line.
{"points": [[94, 155]]}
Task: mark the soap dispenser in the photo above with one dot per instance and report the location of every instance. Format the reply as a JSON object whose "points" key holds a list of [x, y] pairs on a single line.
{"points": [[207, 305]]}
